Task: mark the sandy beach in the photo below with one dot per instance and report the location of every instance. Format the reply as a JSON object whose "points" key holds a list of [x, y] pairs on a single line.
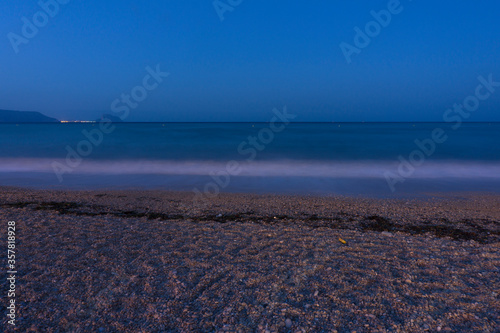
{"points": [[151, 261]]}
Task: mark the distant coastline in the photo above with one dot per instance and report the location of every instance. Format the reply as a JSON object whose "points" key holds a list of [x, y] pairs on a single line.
{"points": [[15, 117], [9, 116]]}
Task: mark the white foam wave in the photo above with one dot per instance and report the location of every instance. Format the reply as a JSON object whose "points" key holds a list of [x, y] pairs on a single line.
{"points": [[283, 168]]}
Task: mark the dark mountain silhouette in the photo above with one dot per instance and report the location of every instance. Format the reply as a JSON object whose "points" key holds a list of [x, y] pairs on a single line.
{"points": [[8, 116]]}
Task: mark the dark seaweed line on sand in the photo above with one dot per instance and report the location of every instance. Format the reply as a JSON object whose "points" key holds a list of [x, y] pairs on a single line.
{"points": [[463, 230]]}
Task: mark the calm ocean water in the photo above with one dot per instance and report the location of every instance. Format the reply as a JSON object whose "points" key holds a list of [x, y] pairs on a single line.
{"points": [[368, 159]]}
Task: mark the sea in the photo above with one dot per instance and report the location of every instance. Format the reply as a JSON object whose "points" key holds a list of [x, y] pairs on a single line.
{"points": [[351, 159]]}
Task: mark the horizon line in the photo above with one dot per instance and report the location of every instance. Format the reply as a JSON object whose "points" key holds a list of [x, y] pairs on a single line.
{"points": [[246, 122]]}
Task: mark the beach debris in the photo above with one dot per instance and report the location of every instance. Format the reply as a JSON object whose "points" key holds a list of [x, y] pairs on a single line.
{"points": [[316, 293], [342, 241], [387, 233], [288, 323], [219, 215]]}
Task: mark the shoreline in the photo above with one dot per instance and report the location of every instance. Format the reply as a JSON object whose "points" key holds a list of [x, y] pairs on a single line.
{"points": [[460, 216], [144, 260]]}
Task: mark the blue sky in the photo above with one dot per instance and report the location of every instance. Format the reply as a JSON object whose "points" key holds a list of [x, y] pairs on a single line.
{"points": [[264, 54]]}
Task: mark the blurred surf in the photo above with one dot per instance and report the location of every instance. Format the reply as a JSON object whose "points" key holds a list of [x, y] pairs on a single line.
{"points": [[302, 158]]}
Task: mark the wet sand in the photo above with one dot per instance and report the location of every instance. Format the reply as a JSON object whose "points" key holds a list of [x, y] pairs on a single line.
{"points": [[151, 261]]}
